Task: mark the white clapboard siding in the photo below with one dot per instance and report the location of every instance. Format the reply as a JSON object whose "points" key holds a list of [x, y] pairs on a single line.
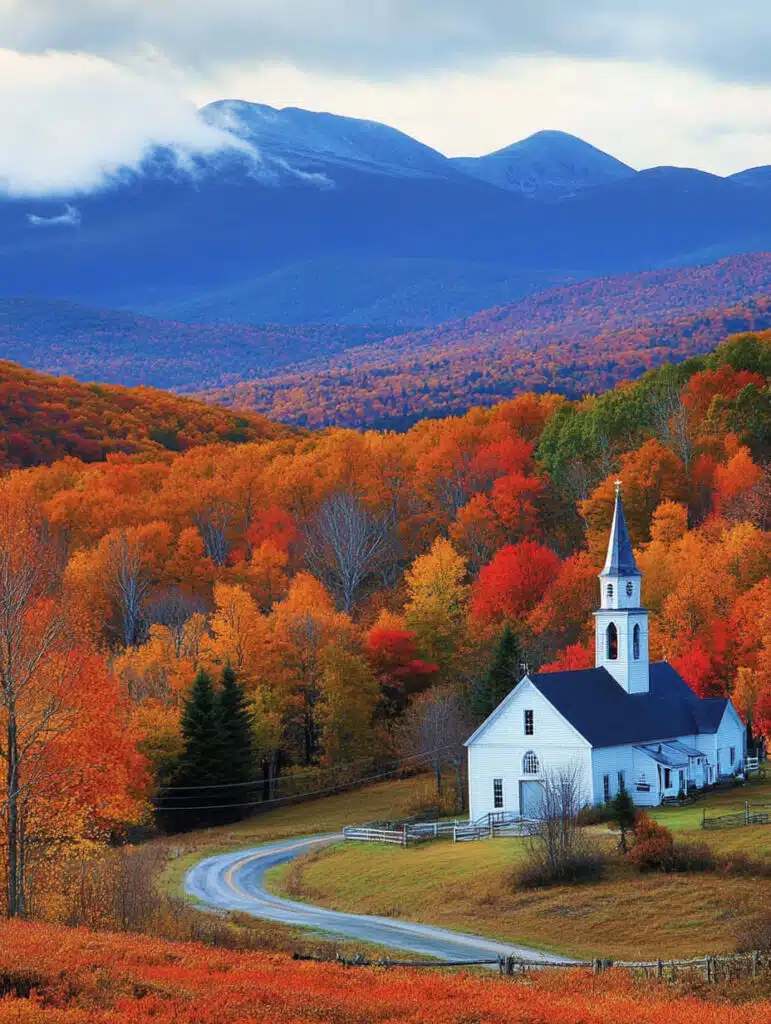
{"points": [[497, 750]]}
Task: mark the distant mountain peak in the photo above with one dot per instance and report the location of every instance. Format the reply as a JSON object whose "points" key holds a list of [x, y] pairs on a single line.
{"points": [[317, 142], [548, 164]]}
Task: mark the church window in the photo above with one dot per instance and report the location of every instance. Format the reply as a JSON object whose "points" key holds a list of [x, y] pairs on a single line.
{"points": [[629, 589], [529, 724], [609, 590], [636, 643], [498, 793], [621, 782], [530, 763], [667, 778], [606, 787], [733, 756], [612, 642]]}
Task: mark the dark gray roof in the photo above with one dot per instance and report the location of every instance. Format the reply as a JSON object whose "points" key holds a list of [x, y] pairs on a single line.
{"points": [[620, 560], [607, 716], [672, 753]]}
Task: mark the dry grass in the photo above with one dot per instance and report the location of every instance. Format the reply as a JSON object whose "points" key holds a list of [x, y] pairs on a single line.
{"points": [[329, 814], [470, 887]]}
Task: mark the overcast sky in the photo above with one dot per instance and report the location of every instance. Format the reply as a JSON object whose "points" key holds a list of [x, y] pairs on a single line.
{"points": [[87, 85]]}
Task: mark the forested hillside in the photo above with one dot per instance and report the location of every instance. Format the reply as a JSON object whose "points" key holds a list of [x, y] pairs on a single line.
{"points": [[575, 340], [355, 582], [122, 348], [44, 418]]}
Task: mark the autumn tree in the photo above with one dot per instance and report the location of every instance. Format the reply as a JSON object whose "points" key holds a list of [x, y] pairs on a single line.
{"points": [[514, 582], [346, 544], [436, 726], [72, 770], [400, 671], [33, 644], [436, 608]]}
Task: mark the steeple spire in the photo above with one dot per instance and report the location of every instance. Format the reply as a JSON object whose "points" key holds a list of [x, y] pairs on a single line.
{"points": [[620, 559], [622, 623]]}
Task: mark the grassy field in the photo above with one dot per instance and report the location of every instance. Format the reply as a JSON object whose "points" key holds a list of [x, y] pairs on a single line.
{"points": [[329, 814], [471, 887]]}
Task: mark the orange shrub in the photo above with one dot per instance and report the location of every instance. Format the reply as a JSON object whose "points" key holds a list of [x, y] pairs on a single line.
{"points": [[654, 846]]}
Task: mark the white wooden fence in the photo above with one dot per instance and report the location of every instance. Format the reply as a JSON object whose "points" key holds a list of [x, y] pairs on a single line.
{"points": [[492, 826], [401, 834]]}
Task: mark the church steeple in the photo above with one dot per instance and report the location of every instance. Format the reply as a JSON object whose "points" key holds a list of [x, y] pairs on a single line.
{"points": [[620, 560], [621, 624]]}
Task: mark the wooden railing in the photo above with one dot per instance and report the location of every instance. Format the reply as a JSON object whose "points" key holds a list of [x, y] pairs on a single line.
{"points": [[753, 814], [714, 968]]}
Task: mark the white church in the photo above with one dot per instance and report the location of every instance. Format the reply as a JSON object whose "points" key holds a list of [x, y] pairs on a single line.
{"points": [[626, 722]]}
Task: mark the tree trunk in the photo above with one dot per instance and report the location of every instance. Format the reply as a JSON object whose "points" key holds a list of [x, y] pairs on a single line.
{"points": [[15, 860], [459, 789], [438, 773]]}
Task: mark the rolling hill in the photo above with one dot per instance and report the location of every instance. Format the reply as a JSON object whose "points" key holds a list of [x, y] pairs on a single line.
{"points": [[122, 348], [44, 418], [573, 340]]}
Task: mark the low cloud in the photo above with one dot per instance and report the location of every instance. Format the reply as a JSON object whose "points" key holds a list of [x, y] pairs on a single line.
{"points": [[69, 122], [70, 218]]}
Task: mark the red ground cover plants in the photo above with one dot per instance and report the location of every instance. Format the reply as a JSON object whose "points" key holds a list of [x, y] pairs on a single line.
{"points": [[73, 976]]}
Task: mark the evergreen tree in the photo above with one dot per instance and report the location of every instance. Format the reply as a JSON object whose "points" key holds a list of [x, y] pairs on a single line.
{"points": [[238, 759], [201, 761], [624, 814], [199, 764], [502, 675]]}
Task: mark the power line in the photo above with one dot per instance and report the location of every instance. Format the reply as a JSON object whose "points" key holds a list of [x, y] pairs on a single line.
{"points": [[295, 775], [282, 799]]}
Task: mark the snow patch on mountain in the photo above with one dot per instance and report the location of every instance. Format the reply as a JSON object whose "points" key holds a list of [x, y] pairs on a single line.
{"points": [[547, 165]]}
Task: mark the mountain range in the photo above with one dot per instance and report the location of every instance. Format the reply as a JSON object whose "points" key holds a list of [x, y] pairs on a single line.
{"points": [[337, 221], [575, 338]]}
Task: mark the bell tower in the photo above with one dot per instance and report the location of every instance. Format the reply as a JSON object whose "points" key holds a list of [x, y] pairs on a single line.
{"points": [[621, 625]]}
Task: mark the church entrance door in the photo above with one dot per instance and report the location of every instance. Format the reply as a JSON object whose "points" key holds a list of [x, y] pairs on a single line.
{"points": [[531, 799]]}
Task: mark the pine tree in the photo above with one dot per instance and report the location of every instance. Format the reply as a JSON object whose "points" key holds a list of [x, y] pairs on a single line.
{"points": [[187, 803], [624, 814], [238, 760], [502, 675], [201, 761]]}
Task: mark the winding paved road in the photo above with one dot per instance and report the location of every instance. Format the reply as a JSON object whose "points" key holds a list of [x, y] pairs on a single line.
{"points": [[236, 881]]}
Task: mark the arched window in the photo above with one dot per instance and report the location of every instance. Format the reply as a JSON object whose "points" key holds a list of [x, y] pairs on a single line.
{"points": [[609, 590], [612, 642], [636, 643], [530, 763], [629, 589]]}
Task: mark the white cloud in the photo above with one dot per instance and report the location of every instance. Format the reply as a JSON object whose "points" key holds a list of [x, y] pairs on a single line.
{"points": [[70, 121], [382, 39], [70, 218]]}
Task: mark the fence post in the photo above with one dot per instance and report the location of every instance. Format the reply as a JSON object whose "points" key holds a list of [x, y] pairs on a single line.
{"points": [[746, 812], [755, 962], [660, 969], [708, 969], [404, 835]]}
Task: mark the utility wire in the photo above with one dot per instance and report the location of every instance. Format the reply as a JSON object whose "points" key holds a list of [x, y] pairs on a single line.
{"points": [[283, 799], [295, 775]]}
